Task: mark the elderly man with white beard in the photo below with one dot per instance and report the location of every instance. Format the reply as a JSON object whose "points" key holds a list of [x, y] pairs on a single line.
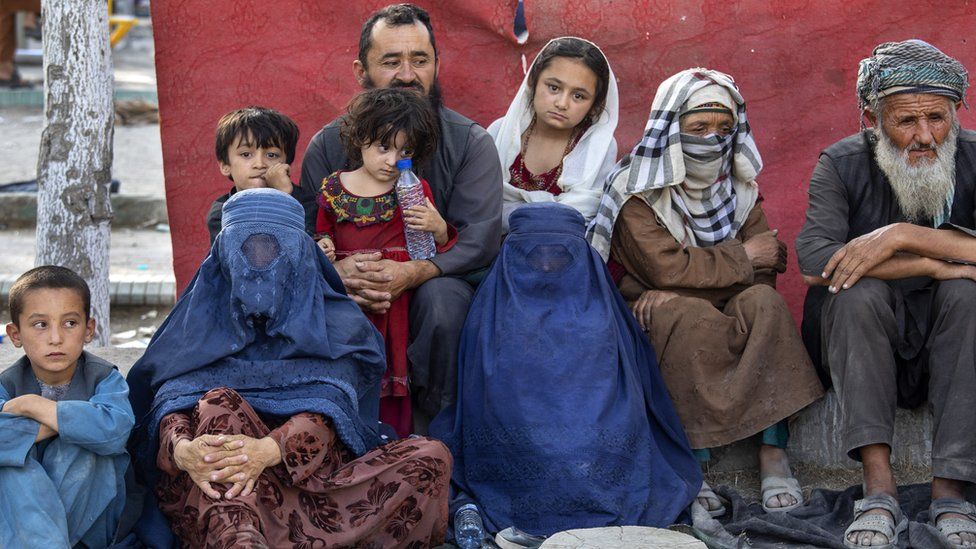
{"points": [[889, 249]]}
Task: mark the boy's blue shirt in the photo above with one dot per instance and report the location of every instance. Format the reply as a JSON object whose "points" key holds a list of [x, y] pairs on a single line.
{"points": [[94, 415], [68, 489]]}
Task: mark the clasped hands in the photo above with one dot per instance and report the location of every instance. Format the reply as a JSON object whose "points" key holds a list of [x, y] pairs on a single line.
{"points": [[237, 460], [373, 282]]}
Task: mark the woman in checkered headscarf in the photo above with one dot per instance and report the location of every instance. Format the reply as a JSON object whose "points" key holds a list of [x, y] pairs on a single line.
{"points": [[683, 224]]}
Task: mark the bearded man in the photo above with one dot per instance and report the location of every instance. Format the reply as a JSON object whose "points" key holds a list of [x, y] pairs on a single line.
{"points": [[397, 49], [888, 247]]}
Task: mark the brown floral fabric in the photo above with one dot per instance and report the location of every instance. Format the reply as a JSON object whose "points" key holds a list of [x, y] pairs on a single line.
{"points": [[318, 496], [728, 347]]}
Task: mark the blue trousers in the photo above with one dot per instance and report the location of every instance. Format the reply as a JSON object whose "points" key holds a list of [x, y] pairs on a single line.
{"points": [[62, 495]]}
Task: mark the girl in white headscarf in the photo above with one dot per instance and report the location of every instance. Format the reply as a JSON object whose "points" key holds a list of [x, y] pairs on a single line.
{"points": [[555, 143], [683, 218]]}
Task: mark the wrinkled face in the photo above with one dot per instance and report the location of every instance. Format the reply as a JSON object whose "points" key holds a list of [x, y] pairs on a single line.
{"points": [[564, 93], [917, 123], [400, 57], [53, 331], [707, 123], [379, 159], [249, 162]]}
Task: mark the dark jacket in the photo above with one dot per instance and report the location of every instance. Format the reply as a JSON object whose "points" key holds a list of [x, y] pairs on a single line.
{"points": [[850, 197]]}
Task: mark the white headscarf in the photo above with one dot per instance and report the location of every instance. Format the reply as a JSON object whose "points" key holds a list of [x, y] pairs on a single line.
{"points": [[672, 183], [584, 169]]}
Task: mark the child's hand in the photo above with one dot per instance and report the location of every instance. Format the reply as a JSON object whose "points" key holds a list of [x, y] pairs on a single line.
{"points": [[35, 407], [16, 406], [326, 245], [279, 177], [426, 218], [24, 405]]}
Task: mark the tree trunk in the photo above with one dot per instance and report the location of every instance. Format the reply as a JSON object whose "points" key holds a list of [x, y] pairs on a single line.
{"points": [[74, 168]]}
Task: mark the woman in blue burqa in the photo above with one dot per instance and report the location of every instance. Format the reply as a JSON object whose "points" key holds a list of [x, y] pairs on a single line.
{"points": [[256, 405], [562, 419]]}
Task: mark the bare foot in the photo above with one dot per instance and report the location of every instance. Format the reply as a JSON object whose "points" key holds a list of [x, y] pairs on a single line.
{"points": [[774, 463]]}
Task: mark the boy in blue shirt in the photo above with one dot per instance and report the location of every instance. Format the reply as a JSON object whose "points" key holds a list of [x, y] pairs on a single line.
{"points": [[64, 421]]}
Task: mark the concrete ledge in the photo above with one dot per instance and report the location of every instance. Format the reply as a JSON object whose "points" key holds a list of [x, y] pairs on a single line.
{"points": [[34, 97], [815, 440], [128, 291], [815, 436], [18, 210]]}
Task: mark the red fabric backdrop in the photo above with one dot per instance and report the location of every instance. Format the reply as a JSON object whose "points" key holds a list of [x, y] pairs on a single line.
{"points": [[795, 62]]}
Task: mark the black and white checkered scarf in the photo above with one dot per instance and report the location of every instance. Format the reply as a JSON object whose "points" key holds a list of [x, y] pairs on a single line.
{"points": [[663, 168]]}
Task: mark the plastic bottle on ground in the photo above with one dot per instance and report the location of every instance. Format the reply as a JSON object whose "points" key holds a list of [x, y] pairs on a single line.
{"points": [[469, 531], [420, 244]]}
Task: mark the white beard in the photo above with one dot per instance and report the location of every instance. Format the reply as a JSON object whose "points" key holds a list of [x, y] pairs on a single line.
{"points": [[923, 189]]}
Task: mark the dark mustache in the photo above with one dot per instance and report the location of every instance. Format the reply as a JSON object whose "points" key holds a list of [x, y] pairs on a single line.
{"points": [[411, 85]]}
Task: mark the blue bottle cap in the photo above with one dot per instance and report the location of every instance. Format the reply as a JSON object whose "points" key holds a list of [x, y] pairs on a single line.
{"points": [[404, 164]]}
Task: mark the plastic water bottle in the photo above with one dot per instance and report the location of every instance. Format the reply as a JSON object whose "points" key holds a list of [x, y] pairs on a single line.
{"points": [[469, 531], [420, 244]]}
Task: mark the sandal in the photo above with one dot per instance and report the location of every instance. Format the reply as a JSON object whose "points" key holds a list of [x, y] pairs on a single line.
{"points": [[14, 81], [778, 486], [889, 527], [707, 493], [952, 526]]}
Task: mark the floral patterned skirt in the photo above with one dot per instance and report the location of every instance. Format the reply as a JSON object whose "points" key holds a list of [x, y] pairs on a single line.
{"points": [[393, 496]]}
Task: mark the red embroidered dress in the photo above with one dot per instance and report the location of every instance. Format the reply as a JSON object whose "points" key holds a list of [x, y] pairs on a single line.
{"points": [[362, 224], [522, 178]]}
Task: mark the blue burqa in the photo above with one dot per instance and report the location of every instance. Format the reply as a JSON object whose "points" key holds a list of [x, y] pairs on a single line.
{"points": [[266, 315], [562, 419]]}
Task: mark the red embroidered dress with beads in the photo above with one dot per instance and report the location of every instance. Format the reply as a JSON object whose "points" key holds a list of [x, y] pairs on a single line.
{"points": [[363, 224], [522, 178]]}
